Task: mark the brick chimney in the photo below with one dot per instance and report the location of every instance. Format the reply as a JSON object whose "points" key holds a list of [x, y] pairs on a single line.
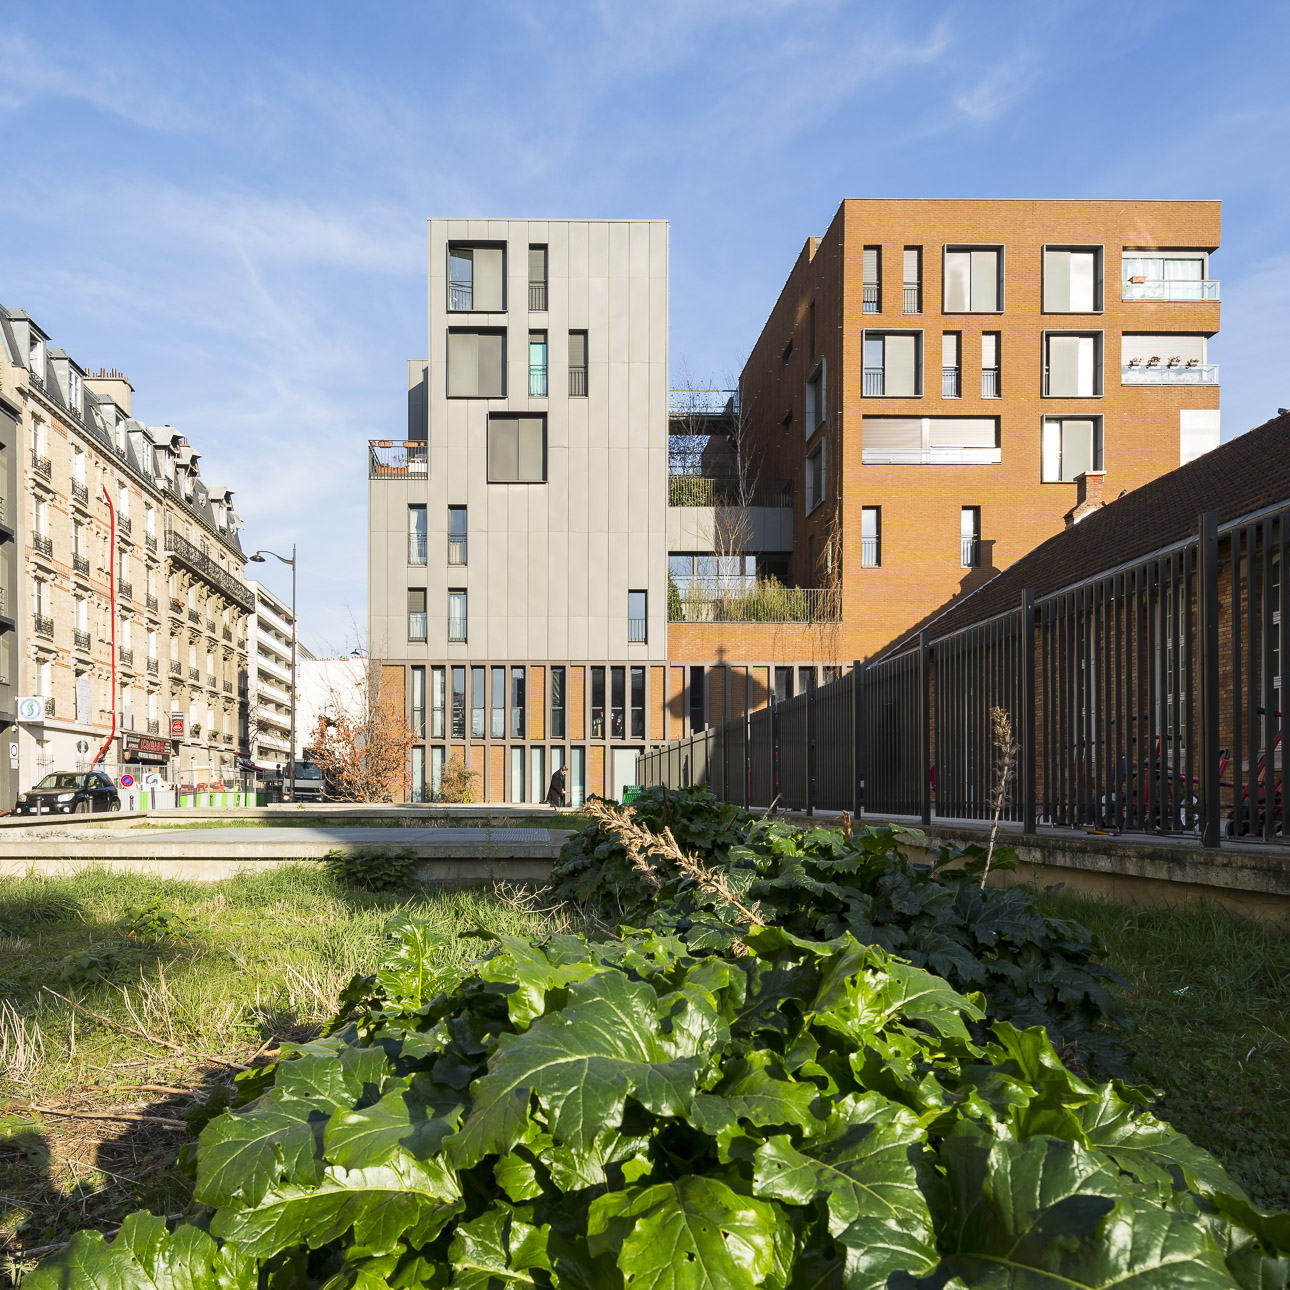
{"points": [[1088, 496], [111, 384]]}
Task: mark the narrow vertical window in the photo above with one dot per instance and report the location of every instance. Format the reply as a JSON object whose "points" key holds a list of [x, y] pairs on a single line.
{"points": [[872, 280], [577, 776], [638, 703], [419, 702], [497, 724], [537, 774], [913, 283], [597, 702], [456, 535], [457, 616], [870, 537], [991, 387], [577, 364], [698, 700], [418, 773], [517, 703], [537, 279], [636, 617], [970, 526], [458, 702], [416, 535], [951, 373], [517, 774], [617, 701], [537, 364], [436, 773], [557, 703], [416, 613], [478, 701]]}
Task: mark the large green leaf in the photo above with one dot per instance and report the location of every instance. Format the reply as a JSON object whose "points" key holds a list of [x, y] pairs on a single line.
{"points": [[1048, 1213], [145, 1256], [408, 976], [694, 1233], [401, 1119], [756, 1089], [497, 1249], [585, 1061], [864, 1168], [526, 974], [382, 1204]]}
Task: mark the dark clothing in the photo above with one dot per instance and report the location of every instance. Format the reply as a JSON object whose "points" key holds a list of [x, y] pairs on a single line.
{"points": [[555, 793]]}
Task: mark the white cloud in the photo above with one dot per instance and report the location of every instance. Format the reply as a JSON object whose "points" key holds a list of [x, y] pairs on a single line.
{"points": [[1003, 85]]}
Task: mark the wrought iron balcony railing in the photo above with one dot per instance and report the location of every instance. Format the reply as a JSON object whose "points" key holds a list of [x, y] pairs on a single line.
{"points": [[194, 617], [126, 655], [125, 590], [44, 626], [200, 563], [913, 299], [154, 725], [80, 492], [212, 682], [41, 465], [153, 666], [124, 525], [990, 386], [416, 548], [151, 601], [150, 541], [176, 667], [387, 459], [872, 298], [194, 674], [81, 640], [80, 564], [950, 388], [176, 606], [42, 545], [537, 297]]}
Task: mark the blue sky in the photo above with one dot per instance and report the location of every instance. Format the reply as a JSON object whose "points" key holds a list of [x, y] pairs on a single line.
{"points": [[227, 201]]}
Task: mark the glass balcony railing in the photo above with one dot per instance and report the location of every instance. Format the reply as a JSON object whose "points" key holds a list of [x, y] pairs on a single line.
{"points": [[461, 295], [1185, 290], [1172, 372]]}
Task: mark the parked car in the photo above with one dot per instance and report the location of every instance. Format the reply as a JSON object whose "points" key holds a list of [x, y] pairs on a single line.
{"points": [[69, 793]]}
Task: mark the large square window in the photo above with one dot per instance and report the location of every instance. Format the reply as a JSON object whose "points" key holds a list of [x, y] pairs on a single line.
{"points": [[476, 364], [1071, 447], [973, 280], [516, 449], [476, 278], [1072, 365], [893, 364], [1072, 279]]}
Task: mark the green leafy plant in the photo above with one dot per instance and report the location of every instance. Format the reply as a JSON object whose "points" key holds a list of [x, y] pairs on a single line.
{"points": [[96, 964], [580, 1116], [153, 922], [374, 869]]}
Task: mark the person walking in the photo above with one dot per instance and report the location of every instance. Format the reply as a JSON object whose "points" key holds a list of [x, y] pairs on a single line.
{"points": [[555, 792]]}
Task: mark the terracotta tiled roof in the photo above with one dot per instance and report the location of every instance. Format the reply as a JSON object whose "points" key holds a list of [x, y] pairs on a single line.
{"points": [[1248, 474]]}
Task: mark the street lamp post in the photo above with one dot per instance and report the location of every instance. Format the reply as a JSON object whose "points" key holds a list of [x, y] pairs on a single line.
{"points": [[289, 788]]}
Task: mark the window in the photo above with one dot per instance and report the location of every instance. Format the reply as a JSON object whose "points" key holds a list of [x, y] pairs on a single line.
{"points": [[497, 725], [74, 389], [36, 358], [477, 278], [973, 280], [436, 772], [698, 697], [1167, 275], [517, 774], [814, 478], [437, 702], [419, 702], [458, 702], [517, 702], [815, 399], [1072, 280], [577, 776], [638, 703], [478, 701], [577, 364], [416, 613], [893, 364], [476, 364], [537, 279], [970, 534], [872, 292], [783, 684], [1072, 365], [418, 773], [930, 441], [537, 774], [557, 703], [870, 537], [805, 680], [416, 535], [636, 617], [1163, 359], [913, 283], [617, 701], [457, 535], [787, 353], [951, 365], [1071, 446], [516, 450], [597, 702], [537, 364], [457, 616], [990, 384], [78, 466], [712, 575]]}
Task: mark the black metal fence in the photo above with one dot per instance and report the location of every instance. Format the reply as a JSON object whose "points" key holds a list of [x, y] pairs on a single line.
{"points": [[1148, 698]]}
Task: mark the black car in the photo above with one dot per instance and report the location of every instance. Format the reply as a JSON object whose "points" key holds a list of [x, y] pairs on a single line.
{"points": [[69, 792]]}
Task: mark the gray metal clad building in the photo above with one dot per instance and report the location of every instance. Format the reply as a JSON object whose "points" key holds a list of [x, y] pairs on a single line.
{"points": [[518, 536]]}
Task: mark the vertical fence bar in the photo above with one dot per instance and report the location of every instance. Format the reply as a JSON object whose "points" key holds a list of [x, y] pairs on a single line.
{"points": [[1026, 649], [812, 766], [1207, 593], [858, 740], [924, 733]]}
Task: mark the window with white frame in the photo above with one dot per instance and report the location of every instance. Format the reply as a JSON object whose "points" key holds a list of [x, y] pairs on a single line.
{"points": [[893, 364], [1071, 446], [973, 280], [1072, 279], [871, 537], [74, 387], [1072, 365]]}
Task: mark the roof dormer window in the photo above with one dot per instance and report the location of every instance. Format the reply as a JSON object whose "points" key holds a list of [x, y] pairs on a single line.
{"points": [[36, 358], [74, 389]]}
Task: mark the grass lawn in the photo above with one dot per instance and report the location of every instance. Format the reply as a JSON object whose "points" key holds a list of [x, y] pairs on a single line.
{"points": [[216, 969], [1210, 993]]}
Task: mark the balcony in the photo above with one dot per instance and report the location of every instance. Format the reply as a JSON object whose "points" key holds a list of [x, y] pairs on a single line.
{"points": [[154, 725], [41, 465], [213, 736], [194, 674], [153, 666], [125, 590], [176, 607], [124, 525], [151, 601], [210, 626], [970, 552], [44, 626], [758, 603], [951, 386], [150, 541], [874, 382], [49, 707], [194, 617], [228, 687], [176, 667], [212, 681], [947, 456], [990, 385], [416, 626], [537, 297], [81, 565], [636, 631], [724, 490], [228, 736], [461, 295], [870, 553], [578, 382], [1172, 372], [42, 545], [387, 459], [416, 548], [80, 493], [872, 300], [227, 633], [456, 631], [81, 640], [701, 404], [456, 550], [913, 299], [1181, 290], [126, 655], [537, 380], [200, 563]]}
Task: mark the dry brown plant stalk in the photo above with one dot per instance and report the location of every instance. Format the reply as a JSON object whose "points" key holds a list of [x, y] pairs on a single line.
{"points": [[639, 841], [1005, 760]]}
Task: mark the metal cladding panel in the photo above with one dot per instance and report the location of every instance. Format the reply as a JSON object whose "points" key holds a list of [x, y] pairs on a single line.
{"points": [[1077, 449], [489, 282], [985, 281], [463, 363], [901, 365], [1057, 281]]}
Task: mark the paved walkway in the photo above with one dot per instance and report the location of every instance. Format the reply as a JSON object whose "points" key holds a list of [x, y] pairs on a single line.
{"points": [[502, 839]]}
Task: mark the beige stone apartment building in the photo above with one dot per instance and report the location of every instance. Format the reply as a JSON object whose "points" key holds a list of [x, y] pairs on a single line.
{"points": [[176, 645]]}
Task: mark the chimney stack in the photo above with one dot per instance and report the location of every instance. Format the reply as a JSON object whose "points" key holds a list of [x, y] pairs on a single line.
{"points": [[111, 385], [1088, 496]]}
